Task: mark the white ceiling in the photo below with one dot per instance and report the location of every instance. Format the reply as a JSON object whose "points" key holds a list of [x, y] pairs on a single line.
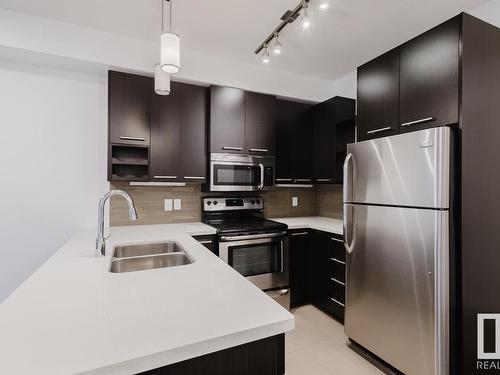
{"points": [[348, 34]]}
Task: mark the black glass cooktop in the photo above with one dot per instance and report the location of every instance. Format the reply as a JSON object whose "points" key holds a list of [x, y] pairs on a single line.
{"points": [[247, 226]]}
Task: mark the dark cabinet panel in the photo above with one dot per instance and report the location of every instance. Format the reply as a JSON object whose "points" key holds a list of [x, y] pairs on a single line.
{"points": [[193, 149], [429, 78], [334, 127], [165, 134], [326, 275], [209, 241], [293, 143], [378, 97], [285, 126], [227, 119], [299, 249], [129, 106], [303, 147], [260, 123]]}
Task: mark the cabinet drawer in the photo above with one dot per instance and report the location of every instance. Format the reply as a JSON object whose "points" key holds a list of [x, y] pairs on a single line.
{"points": [[336, 248], [336, 270], [336, 291]]}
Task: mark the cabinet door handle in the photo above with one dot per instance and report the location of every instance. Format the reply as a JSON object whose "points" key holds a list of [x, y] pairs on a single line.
{"points": [[299, 233], [340, 303], [378, 130], [283, 180], [127, 138], [169, 177], [194, 178], [337, 281], [323, 179], [205, 242], [337, 260], [258, 149], [303, 179], [232, 148], [336, 239], [417, 121]]}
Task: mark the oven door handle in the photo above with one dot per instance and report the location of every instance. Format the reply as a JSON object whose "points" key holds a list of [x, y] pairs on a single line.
{"points": [[282, 257], [252, 236], [261, 184]]}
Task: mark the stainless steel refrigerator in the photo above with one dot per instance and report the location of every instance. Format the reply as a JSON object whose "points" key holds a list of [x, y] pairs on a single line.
{"points": [[396, 232]]}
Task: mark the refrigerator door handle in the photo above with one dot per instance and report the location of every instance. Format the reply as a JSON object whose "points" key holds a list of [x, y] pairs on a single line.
{"points": [[349, 228], [348, 177]]}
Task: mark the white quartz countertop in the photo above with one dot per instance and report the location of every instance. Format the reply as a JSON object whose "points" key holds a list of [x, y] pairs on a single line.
{"points": [[72, 316], [312, 222]]}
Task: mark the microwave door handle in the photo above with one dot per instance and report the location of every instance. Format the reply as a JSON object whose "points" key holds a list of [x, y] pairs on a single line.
{"points": [[261, 184]]}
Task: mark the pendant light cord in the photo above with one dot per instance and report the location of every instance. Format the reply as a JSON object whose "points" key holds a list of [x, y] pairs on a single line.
{"points": [[170, 1]]}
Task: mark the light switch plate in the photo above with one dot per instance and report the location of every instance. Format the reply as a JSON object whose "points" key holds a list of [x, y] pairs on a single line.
{"points": [[295, 201], [177, 204], [167, 204]]}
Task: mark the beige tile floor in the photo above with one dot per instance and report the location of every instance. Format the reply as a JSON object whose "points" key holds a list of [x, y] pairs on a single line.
{"points": [[318, 346]]}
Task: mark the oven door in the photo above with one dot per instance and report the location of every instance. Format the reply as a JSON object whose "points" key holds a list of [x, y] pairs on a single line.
{"points": [[263, 261]]}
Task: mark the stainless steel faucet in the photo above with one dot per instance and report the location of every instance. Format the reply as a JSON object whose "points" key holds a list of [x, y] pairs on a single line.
{"points": [[100, 242]]}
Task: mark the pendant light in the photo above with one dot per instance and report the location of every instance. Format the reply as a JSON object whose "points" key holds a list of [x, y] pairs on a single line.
{"points": [[170, 45], [162, 81]]}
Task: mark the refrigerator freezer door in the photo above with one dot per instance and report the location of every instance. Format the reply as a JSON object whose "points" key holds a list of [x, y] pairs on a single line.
{"points": [[396, 286], [403, 170]]}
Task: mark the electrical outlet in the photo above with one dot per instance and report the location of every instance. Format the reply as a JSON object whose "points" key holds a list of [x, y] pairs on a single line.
{"points": [[295, 201], [167, 204], [177, 204]]}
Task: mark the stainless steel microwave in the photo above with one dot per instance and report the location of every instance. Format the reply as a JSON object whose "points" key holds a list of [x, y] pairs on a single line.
{"points": [[233, 172]]}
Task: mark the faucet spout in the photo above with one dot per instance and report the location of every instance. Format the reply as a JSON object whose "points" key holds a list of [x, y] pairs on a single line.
{"points": [[100, 243]]}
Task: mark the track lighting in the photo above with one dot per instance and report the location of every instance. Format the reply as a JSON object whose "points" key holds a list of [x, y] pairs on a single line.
{"points": [[265, 56], [277, 45], [306, 22], [290, 16]]}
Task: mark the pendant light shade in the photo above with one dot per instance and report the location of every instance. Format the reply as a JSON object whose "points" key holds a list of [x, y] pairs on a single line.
{"points": [[170, 52], [162, 81]]}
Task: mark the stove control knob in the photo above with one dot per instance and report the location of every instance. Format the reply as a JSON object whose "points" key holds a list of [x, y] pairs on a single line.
{"points": [[252, 201], [209, 203], [257, 201], [215, 203]]}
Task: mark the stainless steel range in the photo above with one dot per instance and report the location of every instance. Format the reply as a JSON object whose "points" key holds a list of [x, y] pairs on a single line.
{"points": [[255, 247]]}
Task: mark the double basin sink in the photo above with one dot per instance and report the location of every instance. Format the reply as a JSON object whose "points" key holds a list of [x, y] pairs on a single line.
{"points": [[139, 257]]}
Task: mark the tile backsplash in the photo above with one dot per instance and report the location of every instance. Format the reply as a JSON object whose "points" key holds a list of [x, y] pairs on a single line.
{"points": [[149, 201]]}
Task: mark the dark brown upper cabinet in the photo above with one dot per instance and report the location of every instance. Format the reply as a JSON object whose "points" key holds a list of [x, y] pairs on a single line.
{"points": [[178, 128], [260, 123], [429, 78], [412, 87], [334, 128], [378, 97], [129, 106], [165, 135], [227, 119], [193, 142], [294, 143]]}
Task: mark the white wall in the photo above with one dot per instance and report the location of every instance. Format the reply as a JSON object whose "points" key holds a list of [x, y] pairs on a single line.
{"points": [[47, 37], [53, 163]]}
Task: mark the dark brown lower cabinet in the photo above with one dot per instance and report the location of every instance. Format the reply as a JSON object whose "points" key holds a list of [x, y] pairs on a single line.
{"points": [[317, 271], [262, 357], [326, 269], [299, 249], [209, 241]]}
